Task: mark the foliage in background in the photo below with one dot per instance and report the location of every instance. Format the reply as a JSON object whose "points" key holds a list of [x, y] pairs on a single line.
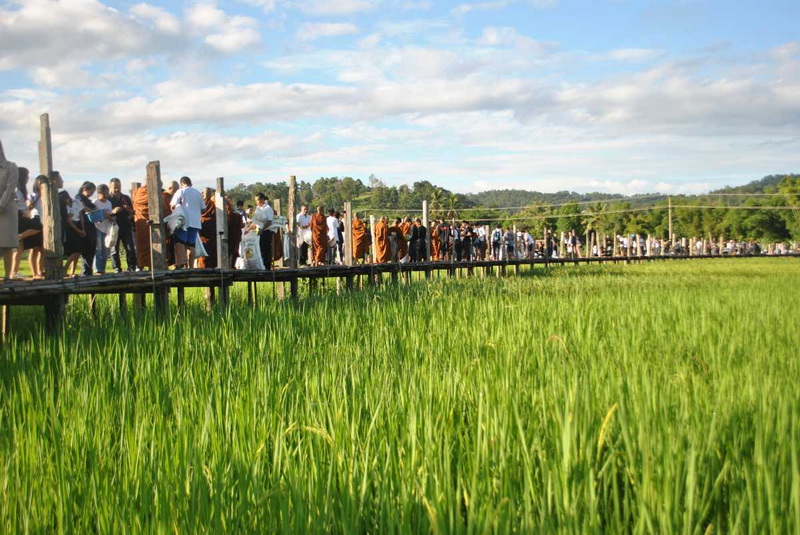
{"points": [[598, 212]]}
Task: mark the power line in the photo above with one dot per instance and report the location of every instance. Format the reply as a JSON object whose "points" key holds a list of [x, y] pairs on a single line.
{"points": [[548, 205], [631, 210], [735, 207]]}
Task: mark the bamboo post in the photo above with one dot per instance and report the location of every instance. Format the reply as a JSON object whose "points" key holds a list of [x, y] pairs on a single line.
{"points": [[291, 214], [53, 248], [158, 257], [223, 257], [546, 247], [210, 299], [425, 222], [374, 246], [348, 233], [279, 289], [669, 214], [5, 322], [348, 242], [587, 245]]}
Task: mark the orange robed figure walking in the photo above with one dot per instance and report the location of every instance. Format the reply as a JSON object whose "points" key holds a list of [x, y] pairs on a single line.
{"points": [[319, 237], [434, 241], [360, 244], [383, 250], [401, 230]]}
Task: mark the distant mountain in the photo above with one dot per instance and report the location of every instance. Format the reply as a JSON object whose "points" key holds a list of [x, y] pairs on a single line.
{"points": [[506, 198], [512, 199], [757, 186]]}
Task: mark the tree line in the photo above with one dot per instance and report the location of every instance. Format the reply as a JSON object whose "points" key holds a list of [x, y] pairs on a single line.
{"points": [[730, 215]]}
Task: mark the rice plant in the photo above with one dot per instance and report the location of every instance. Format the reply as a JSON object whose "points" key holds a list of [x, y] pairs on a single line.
{"points": [[661, 398]]}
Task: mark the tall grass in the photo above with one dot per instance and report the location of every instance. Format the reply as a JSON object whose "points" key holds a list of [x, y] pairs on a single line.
{"points": [[660, 398]]}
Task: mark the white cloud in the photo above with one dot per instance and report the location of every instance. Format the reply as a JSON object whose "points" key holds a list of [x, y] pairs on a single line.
{"points": [[311, 31], [223, 32], [370, 41], [64, 75], [462, 9], [43, 33], [411, 5], [505, 36], [266, 5], [161, 19], [336, 7], [543, 4], [634, 55]]}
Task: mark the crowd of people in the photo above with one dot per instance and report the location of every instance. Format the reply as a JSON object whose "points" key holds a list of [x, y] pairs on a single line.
{"points": [[101, 223]]}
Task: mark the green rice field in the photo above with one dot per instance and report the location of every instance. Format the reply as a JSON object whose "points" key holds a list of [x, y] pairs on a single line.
{"points": [[653, 398]]}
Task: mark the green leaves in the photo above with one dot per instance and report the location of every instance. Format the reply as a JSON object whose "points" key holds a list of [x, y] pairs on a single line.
{"points": [[655, 398]]}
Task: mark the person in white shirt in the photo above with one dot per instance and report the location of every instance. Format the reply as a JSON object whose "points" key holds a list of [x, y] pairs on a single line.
{"points": [[303, 221], [103, 226], [333, 234], [530, 244], [480, 242], [262, 218], [192, 203]]}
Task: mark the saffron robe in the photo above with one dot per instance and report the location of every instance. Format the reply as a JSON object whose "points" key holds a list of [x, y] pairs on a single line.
{"points": [[435, 244], [383, 250], [360, 242], [141, 214], [402, 244], [319, 237]]}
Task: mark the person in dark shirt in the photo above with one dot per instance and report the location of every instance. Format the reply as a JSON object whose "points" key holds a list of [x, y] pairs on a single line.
{"points": [[122, 210], [413, 244], [466, 234], [421, 237], [444, 241]]}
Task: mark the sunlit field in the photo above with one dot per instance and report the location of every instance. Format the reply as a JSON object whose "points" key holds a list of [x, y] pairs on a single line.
{"points": [[654, 398]]}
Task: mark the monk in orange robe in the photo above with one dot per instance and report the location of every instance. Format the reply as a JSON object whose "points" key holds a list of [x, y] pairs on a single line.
{"points": [[319, 237], [383, 250], [360, 243], [402, 229], [141, 215], [208, 231], [434, 240]]}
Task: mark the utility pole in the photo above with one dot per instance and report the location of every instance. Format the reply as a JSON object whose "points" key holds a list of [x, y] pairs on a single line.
{"points": [[669, 200]]}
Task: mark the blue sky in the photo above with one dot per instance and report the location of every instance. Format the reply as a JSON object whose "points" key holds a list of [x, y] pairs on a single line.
{"points": [[609, 95]]}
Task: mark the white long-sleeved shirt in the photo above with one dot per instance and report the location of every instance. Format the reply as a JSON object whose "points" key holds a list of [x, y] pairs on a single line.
{"points": [[333, 228]]}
